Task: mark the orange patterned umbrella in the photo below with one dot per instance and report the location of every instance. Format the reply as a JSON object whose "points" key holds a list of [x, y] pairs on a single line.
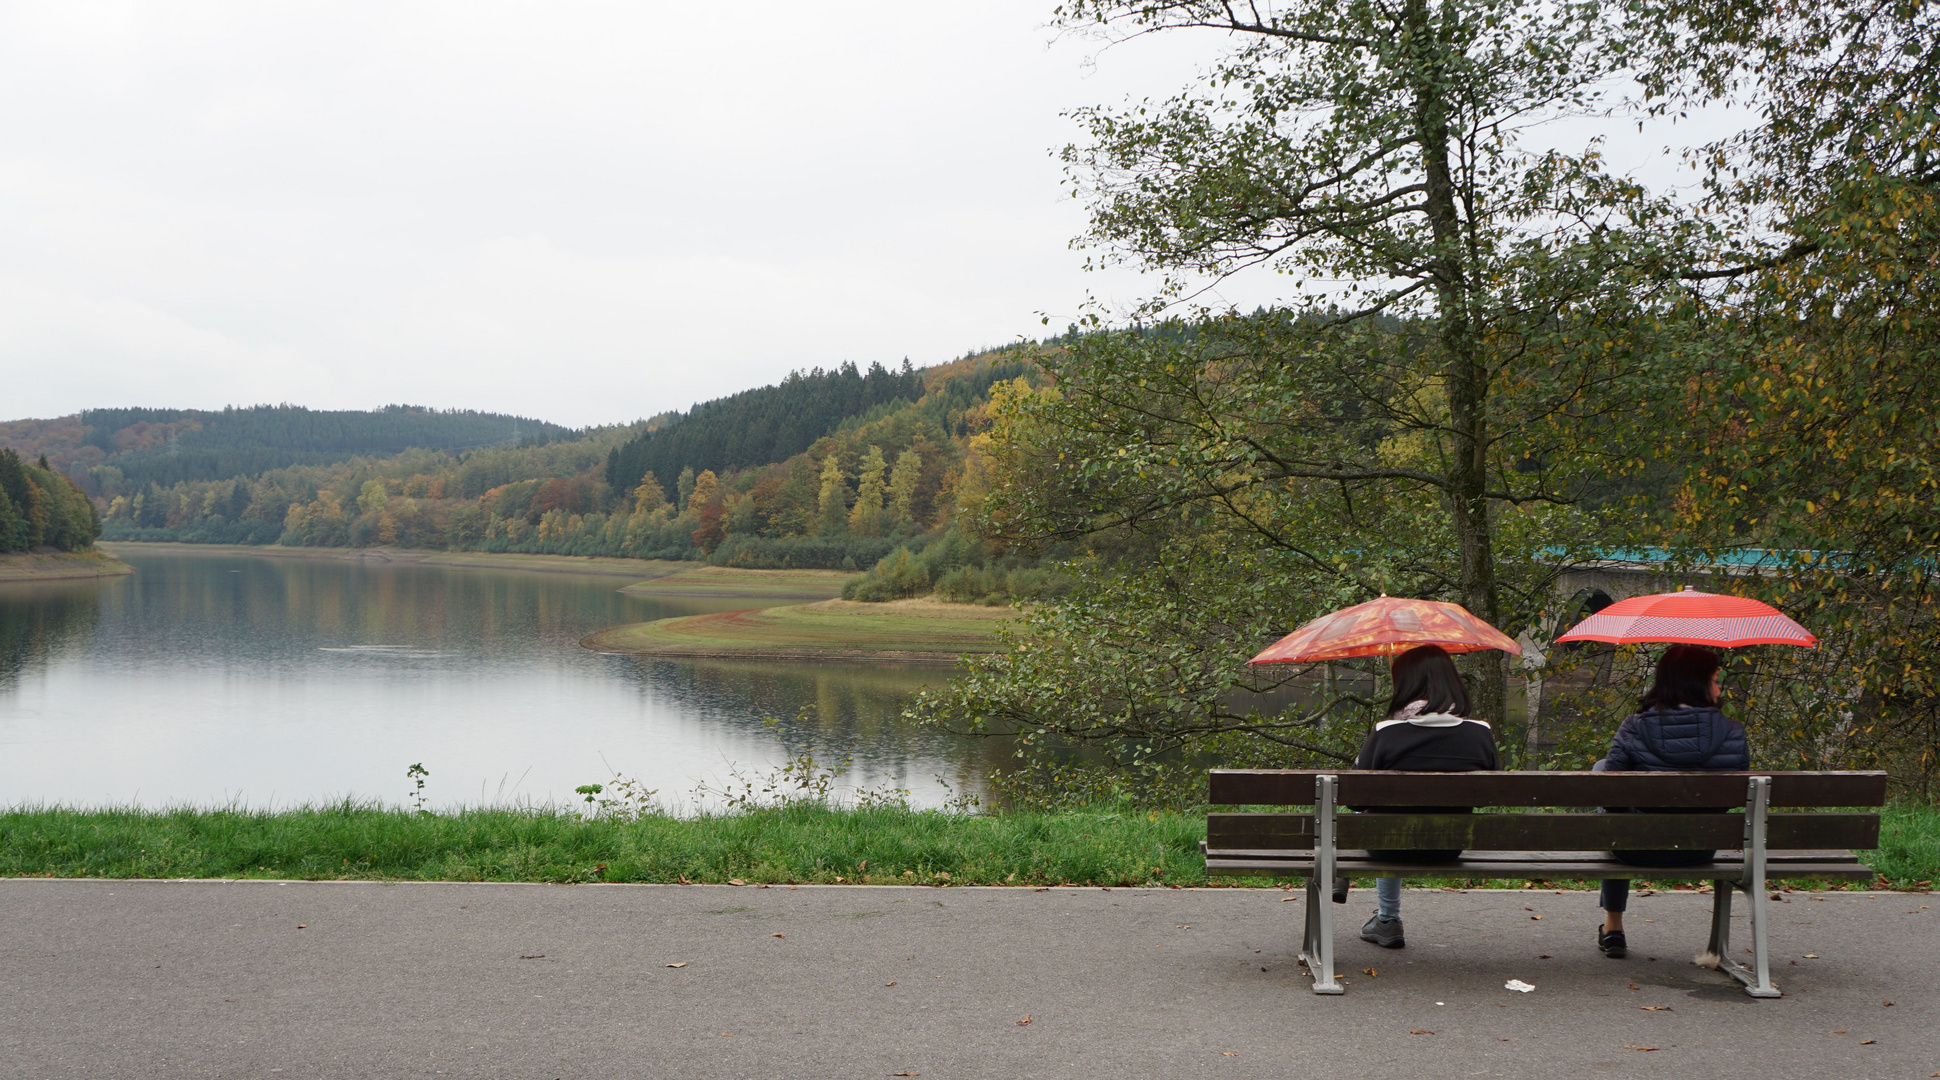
{"points": [[1386, 627]]}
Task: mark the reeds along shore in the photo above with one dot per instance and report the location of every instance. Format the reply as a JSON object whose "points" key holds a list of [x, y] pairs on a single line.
{"points": [[807, 842]]}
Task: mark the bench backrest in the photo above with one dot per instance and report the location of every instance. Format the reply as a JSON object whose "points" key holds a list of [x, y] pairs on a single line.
{"points": [[1258, 832], [1295, 787]]}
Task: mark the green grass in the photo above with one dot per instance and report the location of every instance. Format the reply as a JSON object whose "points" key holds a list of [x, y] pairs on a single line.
{"points": [[832, 629], [60, 566], [800, 843], [733, 582]]}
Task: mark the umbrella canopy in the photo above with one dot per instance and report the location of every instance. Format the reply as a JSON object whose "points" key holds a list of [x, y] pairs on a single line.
{"points": [[1691, 618], [1386, 627]]}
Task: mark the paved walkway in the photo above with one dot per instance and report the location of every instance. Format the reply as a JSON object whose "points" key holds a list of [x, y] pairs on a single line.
{"points": [[287, 980]]}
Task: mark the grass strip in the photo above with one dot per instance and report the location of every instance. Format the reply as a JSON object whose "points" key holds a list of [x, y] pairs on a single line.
{"points": [[800, 843], [730, 582], [920, 629]]}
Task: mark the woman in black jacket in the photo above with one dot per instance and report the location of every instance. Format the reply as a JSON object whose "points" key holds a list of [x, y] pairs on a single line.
{"points": [[1427, 730], [1676, 728]]}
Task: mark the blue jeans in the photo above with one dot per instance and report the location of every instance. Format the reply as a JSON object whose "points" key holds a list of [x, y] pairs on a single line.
{"points": [[1387, 897]]}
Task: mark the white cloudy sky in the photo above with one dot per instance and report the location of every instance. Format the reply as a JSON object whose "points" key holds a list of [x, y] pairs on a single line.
{"points": [[584, 212]]}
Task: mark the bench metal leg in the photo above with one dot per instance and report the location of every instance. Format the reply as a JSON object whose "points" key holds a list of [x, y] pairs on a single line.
{"points": [[1758, 977], [1318, 947], [1719, 949]]}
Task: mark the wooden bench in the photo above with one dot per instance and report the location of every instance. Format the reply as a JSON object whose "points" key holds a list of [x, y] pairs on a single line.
{"points": [[1752, 847]]}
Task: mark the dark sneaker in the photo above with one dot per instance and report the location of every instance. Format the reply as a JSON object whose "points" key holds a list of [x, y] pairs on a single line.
{"points": [[1383, 932], [1340, 890], [1612, 943]]}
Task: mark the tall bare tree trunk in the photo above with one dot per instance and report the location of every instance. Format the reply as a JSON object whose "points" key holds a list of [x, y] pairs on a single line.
{"points": [[1465, 376]]}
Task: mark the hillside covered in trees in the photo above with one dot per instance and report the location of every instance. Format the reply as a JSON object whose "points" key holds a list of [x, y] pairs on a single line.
{"points": [[40, 508], [113, 452], [825, 469]]}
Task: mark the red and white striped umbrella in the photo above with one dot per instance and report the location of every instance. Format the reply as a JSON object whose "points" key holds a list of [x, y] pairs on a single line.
{"points": [[1691, 618]]}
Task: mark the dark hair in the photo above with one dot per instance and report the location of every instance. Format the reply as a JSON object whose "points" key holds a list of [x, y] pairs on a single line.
{"points": [[1425, 673], [1683, 678]]}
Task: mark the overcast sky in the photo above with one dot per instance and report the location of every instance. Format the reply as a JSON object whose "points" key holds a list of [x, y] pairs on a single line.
{"points": [[587, 213]]}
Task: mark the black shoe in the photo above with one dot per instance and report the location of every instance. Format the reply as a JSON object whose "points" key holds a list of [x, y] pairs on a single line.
{"points": [[1383, 932], [1612, 943], [1340, 890]]}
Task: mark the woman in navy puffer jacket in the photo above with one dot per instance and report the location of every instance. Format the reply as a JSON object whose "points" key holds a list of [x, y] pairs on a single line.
{"points": [[1676, 728]]}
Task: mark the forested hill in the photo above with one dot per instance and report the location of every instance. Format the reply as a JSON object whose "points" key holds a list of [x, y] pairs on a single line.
{"points": [[757, 427], [134, 447], [827, 468]]}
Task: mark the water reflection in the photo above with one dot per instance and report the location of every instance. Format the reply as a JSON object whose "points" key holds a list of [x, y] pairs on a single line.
{"points": [[52, 617], [208, 677]]}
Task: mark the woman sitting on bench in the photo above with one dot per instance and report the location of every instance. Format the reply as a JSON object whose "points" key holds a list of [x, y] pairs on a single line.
{"points": [[1427, 730], [1677, 728]]}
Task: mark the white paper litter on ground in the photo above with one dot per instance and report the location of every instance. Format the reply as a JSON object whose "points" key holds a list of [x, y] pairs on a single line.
{"points": [[1518, 986]]}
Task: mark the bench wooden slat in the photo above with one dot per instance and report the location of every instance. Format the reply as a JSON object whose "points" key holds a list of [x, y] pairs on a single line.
{"points": [[1527, 864], [1546, 832], [1295, 787], [1477, 857]]}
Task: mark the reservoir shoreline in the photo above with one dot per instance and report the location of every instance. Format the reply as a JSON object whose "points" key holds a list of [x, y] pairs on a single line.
{"points": [[60, 566]]}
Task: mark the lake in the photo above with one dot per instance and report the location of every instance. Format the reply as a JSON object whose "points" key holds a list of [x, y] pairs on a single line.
{"points": [[211, 678]]}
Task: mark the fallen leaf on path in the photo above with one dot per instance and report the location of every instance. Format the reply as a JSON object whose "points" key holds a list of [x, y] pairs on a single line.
{"points": [[1418, 1031], [1026, 1022], [683, 963], [534, 956], [1370, 973], [777, 935], [1538, 918], [906, 1074], [1633, 986], [1811, 956], [891, 982], [1544, 956], [1181, 926], [1288, 899], [1655, 1008], [1839, 1031], [1227, 1053], [302, 926], [1886, 1004], [727, 1034], [1639, 1049], [1866, 1042], [736, 881]]}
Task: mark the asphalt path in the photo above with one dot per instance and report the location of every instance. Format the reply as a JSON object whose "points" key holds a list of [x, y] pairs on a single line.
{"points": [[301, 979]]}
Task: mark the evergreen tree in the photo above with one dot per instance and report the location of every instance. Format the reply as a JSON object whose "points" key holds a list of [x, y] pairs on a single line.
{"points": [[834, 498], [684, 487], [865, 519], [13, 527], [902, 488]]}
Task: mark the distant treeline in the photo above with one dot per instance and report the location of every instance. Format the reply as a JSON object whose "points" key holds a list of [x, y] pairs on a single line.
{"points": [[900, 466], [41, 508], [138, 447], [757, 427]]}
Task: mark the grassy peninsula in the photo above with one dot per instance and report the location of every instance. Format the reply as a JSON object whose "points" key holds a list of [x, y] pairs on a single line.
{"points": [[637, 569], [694, 579], [919, 631], [807, 842], [60, 566]]}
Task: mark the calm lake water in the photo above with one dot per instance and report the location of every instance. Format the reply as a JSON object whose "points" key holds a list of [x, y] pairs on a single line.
{"points": [[208, 678]]}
